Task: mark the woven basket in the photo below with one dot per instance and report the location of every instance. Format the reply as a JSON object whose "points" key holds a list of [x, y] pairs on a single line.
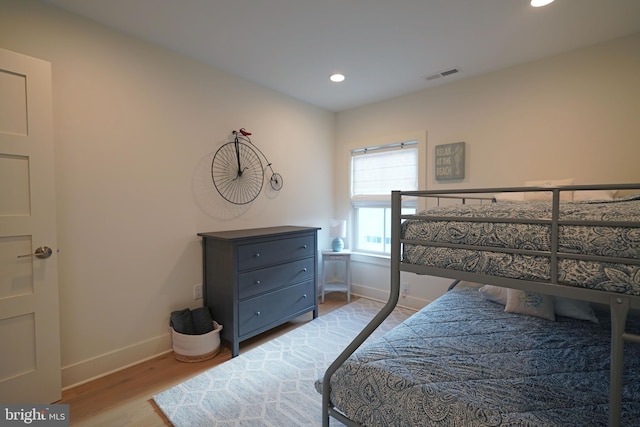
{"points": [[196, 348]]}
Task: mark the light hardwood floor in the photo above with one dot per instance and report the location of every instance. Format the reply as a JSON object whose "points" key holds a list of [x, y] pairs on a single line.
{"points": [[125, 397]]}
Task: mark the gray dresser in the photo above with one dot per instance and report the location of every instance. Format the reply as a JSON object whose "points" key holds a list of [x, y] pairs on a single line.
{"points": [[257, 279]]}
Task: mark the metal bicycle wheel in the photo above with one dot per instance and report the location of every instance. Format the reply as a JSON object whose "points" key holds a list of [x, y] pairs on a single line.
{"points": [[276, 181], [237, 174]]}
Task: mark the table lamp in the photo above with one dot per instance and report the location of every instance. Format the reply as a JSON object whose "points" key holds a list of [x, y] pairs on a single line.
{"points": [[338, 230]]}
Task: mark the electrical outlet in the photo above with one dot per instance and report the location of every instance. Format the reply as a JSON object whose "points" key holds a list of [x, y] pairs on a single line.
{"points": [[197, 292], [404, 289]]}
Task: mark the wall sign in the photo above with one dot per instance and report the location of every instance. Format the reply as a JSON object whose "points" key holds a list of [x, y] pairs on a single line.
{"points": [[450, 161]]}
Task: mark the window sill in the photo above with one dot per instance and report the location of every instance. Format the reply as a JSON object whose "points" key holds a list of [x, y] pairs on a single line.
{"points": [[382, 260]]}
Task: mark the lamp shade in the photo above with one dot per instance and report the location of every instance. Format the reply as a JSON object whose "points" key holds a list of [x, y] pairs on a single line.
{"points": [[338, 228]]}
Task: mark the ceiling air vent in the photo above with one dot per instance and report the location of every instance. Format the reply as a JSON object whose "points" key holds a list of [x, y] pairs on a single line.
{"points": [[444, 73]]}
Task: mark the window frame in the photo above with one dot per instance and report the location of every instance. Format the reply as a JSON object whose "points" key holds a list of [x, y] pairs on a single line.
{"points": [[417, 140]]}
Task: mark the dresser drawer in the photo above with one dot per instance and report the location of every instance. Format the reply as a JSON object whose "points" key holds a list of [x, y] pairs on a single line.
{"points": [[255, 282], [259, 313], [256, 255]]}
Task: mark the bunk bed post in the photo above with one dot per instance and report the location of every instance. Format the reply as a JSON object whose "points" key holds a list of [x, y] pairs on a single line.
{"points": [[619, 309], [555, 230], [396, 246], [394, 295]]}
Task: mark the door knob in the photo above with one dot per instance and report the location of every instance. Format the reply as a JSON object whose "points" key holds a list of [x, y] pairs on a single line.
{"points": [[43, 252]]}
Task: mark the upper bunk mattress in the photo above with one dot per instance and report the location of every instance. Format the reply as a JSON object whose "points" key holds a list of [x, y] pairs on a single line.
{"points": [[464, 361], [606, 241]]}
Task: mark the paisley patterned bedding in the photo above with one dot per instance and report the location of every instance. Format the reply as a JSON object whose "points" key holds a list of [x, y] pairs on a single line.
{"points": [[463, 361], [607, 241]]}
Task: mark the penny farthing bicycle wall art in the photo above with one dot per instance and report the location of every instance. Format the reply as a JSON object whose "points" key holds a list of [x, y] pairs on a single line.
{"points": [[237, 170]]}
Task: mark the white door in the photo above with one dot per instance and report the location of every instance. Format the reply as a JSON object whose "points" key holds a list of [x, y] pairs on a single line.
{"points": [[29, 317]]}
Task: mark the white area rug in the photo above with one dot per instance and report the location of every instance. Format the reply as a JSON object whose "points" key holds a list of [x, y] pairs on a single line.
{"points": [[273, 385]]}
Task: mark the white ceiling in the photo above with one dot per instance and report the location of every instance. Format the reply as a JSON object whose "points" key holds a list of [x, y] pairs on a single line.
{"points": [[385, 47]]}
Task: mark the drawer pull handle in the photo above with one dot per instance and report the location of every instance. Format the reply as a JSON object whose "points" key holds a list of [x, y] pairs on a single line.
{"points": [[304, 269], [257, 313], [257, 255], [304, 246], [304, 296], [257, 282]]}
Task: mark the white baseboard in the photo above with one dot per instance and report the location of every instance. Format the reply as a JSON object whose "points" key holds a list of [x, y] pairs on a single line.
{"points": [[96, 367], [407, 301]]}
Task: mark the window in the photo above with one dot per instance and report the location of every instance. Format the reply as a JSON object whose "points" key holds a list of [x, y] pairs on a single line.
{"points": [[375, 172]]}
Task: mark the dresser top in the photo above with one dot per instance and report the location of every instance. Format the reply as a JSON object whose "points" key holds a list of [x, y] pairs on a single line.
{"points": [[256, 232]]}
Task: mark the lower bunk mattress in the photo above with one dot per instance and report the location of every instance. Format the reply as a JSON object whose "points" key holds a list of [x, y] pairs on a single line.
{"points": [[464, 361]]}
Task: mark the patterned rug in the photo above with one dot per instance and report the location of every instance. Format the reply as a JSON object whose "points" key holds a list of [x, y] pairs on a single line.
{"points": [[273, 384]]}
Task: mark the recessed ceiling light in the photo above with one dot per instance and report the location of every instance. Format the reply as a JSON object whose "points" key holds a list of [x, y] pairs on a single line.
{"points": [[336, 77], [540, 3]]}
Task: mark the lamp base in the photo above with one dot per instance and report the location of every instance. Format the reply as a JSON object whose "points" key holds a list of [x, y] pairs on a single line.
{"points": [[337, 245]]}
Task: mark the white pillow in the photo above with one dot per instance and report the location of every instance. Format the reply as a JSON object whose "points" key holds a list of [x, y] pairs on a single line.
{"points": [[575, 309], [566, 307], [565, 196], [579, 196], [530, 303], [494, 293]]}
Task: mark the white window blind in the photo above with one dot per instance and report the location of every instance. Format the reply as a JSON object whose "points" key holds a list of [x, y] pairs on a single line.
{"points": [[378, 171]]}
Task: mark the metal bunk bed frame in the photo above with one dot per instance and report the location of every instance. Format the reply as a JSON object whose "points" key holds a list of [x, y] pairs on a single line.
{"points": [[618, 303]]}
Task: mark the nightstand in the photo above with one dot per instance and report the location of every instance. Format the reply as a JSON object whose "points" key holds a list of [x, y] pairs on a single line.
{"points": [[332, 280]]}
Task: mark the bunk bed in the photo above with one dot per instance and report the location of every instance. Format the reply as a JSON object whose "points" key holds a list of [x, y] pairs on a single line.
{"points": [[553, 249]]}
